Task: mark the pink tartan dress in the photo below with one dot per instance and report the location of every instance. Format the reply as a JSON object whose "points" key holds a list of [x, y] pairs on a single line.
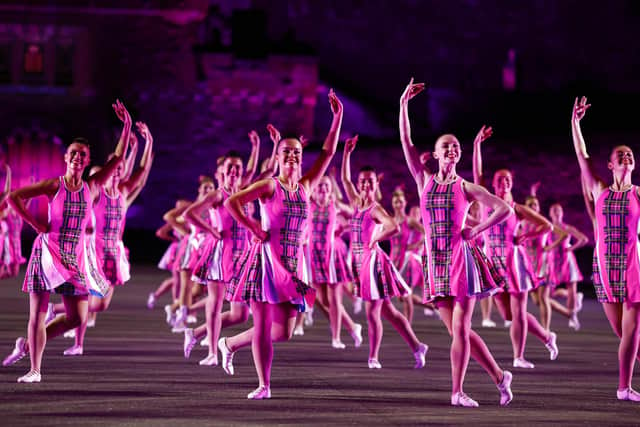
{"points": [[408, 263], [325, 266], [167, 262], [540, 260], [375, 275], [616, 257], [453, 267], [273, 271], [219, 258], [564, 263], [14, 224], [110, 218], [59, 260], [510, 260]]}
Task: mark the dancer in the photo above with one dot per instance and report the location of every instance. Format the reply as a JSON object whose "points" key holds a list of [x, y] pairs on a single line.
{"points": [[457, 271], [504, 248], [326, 275], [165, 232], [616, 260], [109, 208], [404, 254], [271, 275], [376, 278], [58, 259], [564, 264]]}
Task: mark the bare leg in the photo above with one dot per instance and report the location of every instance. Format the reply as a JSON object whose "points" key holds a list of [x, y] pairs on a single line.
{"points": [[36, 331], [213, 316], [616, 315], [407, 307], [400, 323], [486, 304], [373, 309]]}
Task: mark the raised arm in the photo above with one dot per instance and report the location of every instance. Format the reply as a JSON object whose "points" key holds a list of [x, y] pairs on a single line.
{"points": [[7, 184], [588, 200], [540, 224], [99, 178], [193, 213], [593, 183], [329, 147], [252, 163], [389, 225], [131, 157], [484, 133], [259, 190], [271, 163], [18, 197], [136, 179], [347, 184], [136, 192], [501, 210], [411, 155]]}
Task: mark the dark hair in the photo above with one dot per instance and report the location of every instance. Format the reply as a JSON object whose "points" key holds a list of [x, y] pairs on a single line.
{"points": [[80, 140], [232, 154], [367, 168], [220, 160], [204, 178]]}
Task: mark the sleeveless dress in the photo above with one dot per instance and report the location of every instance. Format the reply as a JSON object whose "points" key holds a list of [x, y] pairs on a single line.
{"points": [[219, 258], [509, 259], [110, 218], [5, 244], [273, 271], [375, 275], [323, 245], [408, 263], [59, 259], [564, 264], [616, 257], [540, 260], [453, 267]]}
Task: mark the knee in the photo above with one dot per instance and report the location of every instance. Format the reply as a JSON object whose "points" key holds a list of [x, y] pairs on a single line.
{"points": [[243, 316]]}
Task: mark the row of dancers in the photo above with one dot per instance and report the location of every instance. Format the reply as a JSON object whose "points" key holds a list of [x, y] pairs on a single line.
{"points": [[262, 266]]}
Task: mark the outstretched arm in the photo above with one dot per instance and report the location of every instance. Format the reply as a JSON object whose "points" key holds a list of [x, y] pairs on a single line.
{"points": [[593, 184], [252, 164], [134, 195], [411, 155], [580, 239], [588, 200], [271, 165], [310, 179], [501, 210], [484, 133], [131, 158], [138, 176], [99, 178], [349, 188]]}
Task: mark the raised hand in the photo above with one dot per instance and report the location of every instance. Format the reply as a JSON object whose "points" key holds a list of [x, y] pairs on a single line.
{"points": [[534, 189], [254, 138], [144, 131], [121, 112], [484, 133], [303, 140], [350, 144], [580, 108], [410, 91], [425, 157], [274, 134], [380, 177], [336, 105]]}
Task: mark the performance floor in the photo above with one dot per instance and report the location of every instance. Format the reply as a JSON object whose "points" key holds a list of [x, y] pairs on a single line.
{"points": [[133, 373]]}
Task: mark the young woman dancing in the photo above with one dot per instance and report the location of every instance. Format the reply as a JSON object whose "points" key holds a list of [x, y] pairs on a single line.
{"points": [[456, 270]]}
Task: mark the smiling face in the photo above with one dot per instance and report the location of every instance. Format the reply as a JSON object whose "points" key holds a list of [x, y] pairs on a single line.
{"points": [[205, 187], [233, 170], [367, 184], [399, 203], [447, 150], [323, 190], [77, 157], [290, 156], [621, 159], [502, 182]]}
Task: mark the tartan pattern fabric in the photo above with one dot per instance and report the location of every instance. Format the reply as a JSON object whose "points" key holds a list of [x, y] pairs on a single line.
{"points": [[110, 235], [357, 245], [238, 240], [438, 202], [14, 222], [295, 220], [497, 248], [319, 254], [615, 214], [70, 232]]}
